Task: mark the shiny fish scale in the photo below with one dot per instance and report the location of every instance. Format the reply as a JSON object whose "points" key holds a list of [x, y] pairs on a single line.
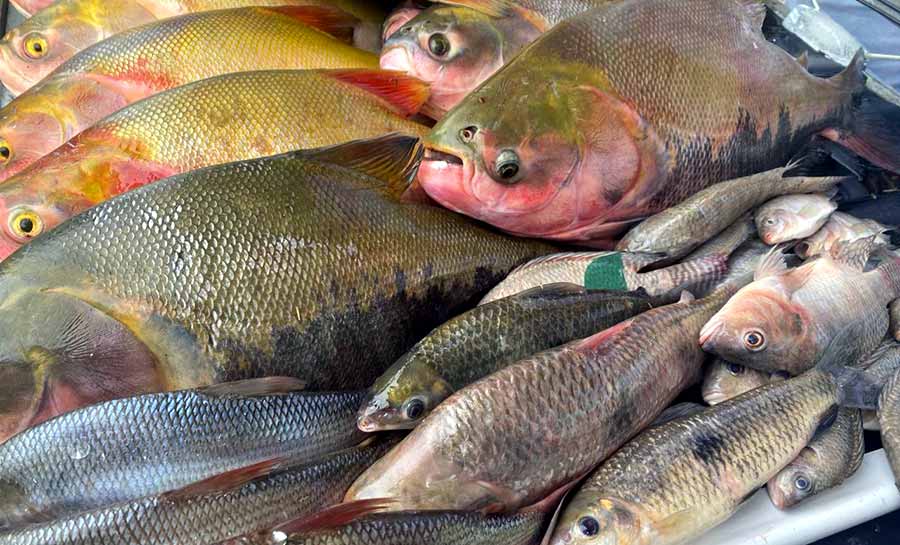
{"points": [[436, 528], [130, 448], [200, 520]]}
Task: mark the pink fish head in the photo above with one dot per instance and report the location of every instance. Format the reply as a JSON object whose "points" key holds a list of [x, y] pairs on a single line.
{"points": [[28, 131]]}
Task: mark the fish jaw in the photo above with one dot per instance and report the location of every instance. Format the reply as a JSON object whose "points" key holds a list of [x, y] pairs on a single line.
{"points": [[782, 488], [622, 523]]}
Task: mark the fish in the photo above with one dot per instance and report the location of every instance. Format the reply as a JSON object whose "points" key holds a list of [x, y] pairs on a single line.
{"points": [[32, 50], [724, 380], [30, 7], [123, 450], [894, 309], [841, 227], [212, 121], [232, 505], [611, 142], [612, 271], [141, 62], [831, 458], [517, 436], [486, 339], [304, 265], [889, 422], [401, 15], [677, 231], [793, 217], [674, 482], [728, 241], [784, 319]]}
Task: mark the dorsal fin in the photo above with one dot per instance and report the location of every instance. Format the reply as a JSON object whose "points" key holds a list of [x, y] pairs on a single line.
{"points": [[338, 515], [227, 481], [853, 254], [328, 19], [403, 93], [254, 387], [392, 159]]}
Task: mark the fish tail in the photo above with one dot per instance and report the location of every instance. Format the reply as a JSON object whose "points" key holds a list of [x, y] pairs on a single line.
{"points": [[870, 123], [855, 388]]}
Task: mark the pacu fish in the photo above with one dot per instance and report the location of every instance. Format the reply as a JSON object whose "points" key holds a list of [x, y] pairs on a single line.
{"points": [[485, 340], [793, 217], [31, 51], [516, 436], [302, 265], [842, 227], [724, 380], [611, 140], [135, 64], [127, 449], [213, 121]]}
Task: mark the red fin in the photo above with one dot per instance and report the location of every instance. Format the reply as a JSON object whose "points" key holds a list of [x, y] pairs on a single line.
{"points": [[403, 93], [338, 515], [226, 481], [254, 387], [328, 19], [596, 340]]}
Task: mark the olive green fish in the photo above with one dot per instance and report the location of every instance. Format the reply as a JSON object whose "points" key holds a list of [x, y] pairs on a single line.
{"points": [[725, 380]]}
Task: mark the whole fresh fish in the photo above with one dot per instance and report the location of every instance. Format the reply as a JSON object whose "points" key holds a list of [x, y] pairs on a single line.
{"points": [[127, 449], [726, 242], [302, 265], [32, 50], [30, 7], [842, 227], [724, 380], [613, 140], [217, 120], [829, 459], [784, 319], [680, 229], [514, 437], [611, 270], [793, 217], [485, 340], [229, 506], [674, 482], [135, 64], [889, 421]]}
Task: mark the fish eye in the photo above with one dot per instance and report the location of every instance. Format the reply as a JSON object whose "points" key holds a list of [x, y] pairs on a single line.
{"points": [[439, 45], [588, 526], [25, 224], [754, 340], [5, 151], [801, 483], [35, 45], [414, 408], [507, 165], [735, 369], [770, 221], [468, 133]]}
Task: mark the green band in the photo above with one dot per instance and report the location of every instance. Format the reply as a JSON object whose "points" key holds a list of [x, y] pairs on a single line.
{"points": [[606, 273]]}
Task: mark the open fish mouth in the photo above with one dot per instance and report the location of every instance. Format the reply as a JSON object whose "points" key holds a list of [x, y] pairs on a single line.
{"points": [[435, 155]]}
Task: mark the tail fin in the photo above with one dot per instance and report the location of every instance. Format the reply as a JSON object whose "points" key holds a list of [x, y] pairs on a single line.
{"points": [[870, 125], [856, 389]]}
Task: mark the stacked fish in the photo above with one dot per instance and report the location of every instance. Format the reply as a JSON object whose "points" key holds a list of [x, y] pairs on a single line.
{"points": [[261, 285]]}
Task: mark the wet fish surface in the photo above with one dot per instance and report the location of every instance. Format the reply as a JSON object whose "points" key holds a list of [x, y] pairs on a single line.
{"points": [[793, 217]]}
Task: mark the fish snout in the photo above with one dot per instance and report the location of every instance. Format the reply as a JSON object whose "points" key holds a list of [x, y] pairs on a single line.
{"points": [[396, 58], [710, 333]]}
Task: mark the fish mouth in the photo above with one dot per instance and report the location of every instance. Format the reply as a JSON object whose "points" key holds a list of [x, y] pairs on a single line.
{"points": [[397, 58], [432, 154], [714, 398], [709, 333]]}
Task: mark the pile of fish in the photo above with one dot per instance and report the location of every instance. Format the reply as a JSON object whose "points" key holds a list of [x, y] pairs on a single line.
{"points": [[286, 271]]}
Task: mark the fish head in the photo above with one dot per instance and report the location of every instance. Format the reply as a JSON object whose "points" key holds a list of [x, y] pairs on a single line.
{"points": [[761, 328], [725, 380], [401, 15], [603, 521], [794, 483], [454, 49], [402, 397], [15, 506], [29, 130], [776, 225]]}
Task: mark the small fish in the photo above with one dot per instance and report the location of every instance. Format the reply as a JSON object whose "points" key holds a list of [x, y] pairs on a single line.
{"points": [[724, 380], [792, 217], [678, 230], [889, 421], [232, 505], [842, 227], [485, 340], [143, 446], [830, 458]]}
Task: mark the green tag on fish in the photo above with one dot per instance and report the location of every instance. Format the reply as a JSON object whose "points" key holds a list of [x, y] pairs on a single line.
{"points": [[606, 273]]}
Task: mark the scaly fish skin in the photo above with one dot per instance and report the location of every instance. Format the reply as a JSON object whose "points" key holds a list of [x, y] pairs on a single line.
{"points": [[514, 437], [485, 340], [889, 420], [843, 228], [295, 265], [127, 449], [724, 380], [213, 121], [793, 217], [141, 62]]}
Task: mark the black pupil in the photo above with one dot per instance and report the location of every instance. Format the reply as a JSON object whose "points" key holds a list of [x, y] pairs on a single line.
{"points": [[37, 47], [468, 133], [589, 526], [438, 45], [802, 483], [415, 409], [753, 339], [508, 170], [4, 152], [26, 225], [735, 369]]}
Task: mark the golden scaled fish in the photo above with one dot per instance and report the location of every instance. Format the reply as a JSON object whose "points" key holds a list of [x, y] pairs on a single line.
{"points": [[135, 64], [213, 121], [35, 48], [725, 380]]}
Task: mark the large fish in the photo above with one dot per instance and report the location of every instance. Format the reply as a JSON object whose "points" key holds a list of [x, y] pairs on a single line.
{"points": [[141, 62], [222, 508], [122, 450], [217, 120], [628, 109], [531, 428], [35, 48], [486, 339], [784, 319], [302, 265]]}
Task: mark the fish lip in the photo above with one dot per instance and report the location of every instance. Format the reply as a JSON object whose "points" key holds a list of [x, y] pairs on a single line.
{"points": [[432, 154], [714, 398], [396, 57], [708, 334]]}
